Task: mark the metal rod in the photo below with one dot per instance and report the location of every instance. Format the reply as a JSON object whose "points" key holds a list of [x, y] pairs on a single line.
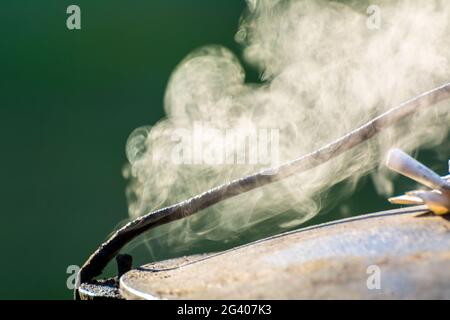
{"points": [[437, 202], [403, 163], [101, 257]]}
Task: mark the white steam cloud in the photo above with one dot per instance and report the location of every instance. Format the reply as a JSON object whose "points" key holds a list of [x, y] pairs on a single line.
{"points": [[324, 73]]}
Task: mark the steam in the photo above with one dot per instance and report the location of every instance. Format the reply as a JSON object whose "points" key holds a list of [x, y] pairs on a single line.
{"points": [[323, 73]]}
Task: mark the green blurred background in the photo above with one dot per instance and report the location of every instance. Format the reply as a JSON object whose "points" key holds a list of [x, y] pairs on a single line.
{"points": [[69, 100]]}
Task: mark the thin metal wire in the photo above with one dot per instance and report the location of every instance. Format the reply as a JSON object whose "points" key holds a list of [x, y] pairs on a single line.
{"points": [[101, 257]]}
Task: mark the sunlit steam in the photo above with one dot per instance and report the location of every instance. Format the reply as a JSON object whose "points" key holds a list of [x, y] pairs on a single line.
{"points": [[324, 72]]}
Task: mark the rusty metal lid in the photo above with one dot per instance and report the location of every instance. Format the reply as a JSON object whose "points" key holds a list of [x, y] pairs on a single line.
{"points": [[402, 254]]}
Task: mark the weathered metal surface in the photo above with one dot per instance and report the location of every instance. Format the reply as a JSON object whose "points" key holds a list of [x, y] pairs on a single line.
{"points": [[99, 290], [330, 261]]}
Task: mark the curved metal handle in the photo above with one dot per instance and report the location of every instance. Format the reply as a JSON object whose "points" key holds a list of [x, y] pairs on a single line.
{"points": [[100, 258]]}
